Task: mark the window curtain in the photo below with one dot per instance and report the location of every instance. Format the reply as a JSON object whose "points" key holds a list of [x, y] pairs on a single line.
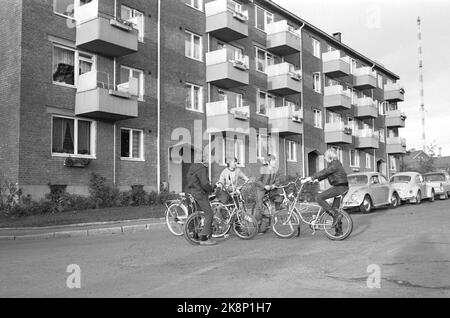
{"points": [[125, 144], [63, 141], [63, 66], [137, 144], [84, 137]]}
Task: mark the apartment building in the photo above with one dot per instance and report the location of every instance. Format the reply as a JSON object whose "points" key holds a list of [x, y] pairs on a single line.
{"points": [[136, 90]]}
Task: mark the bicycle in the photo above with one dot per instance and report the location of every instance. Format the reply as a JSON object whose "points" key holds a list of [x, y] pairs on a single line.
{"points": [[178, 210], [226, 216], [286, 223]]}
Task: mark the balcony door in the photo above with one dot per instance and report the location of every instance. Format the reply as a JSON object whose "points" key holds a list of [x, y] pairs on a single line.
{"points": [[235, 100], [233, 52]]}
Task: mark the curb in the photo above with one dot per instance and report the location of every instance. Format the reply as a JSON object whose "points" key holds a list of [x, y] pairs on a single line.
{"points": [[118, 230]]}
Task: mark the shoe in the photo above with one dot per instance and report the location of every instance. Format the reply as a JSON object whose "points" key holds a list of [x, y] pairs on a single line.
{"points": [[208, 242], [337, 217]]}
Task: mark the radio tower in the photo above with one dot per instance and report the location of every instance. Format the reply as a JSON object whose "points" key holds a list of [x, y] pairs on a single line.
{"points": [[422, 98]]}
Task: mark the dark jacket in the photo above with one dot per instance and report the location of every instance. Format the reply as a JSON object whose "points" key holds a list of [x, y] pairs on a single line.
{"points": [[334, 172], [198, 181], [267, 177]]}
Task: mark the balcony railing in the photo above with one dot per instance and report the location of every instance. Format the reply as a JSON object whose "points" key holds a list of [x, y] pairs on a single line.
{"points": [[334, 65], [394, 92], [283, 39], [284, 79], [395, 145], [395, 118], [225, 21], [338, 133], [287, 120], [366, 107], [97, 98], [337, 98], [227, 68], [365, 78], [367, 139], [222, 117], [104, 34]]}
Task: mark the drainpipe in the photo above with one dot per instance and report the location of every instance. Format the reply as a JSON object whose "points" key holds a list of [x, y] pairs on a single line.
{"points": [[158, 96], [206, 116], [115, 9], [114, 155], [303, 105]]}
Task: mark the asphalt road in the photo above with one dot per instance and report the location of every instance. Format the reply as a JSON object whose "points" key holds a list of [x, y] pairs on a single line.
{"points": [[410, 246]]}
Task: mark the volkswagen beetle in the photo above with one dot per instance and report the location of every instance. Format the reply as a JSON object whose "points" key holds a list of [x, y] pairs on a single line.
{"points": [[412, 187]]}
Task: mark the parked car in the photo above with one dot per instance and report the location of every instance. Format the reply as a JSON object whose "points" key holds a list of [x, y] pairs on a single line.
{"points": [[412, 187], [369, 190], [440, 181]]}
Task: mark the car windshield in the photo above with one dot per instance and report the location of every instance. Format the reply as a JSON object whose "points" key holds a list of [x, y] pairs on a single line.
{"points": [[357, 180], [435, 177], [400, 179]]}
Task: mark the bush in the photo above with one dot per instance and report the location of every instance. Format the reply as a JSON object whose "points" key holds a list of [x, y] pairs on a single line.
{"points": [[166, 196], [103, 195]]}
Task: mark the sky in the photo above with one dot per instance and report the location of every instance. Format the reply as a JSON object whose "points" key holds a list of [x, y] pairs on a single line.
{"points": [[386, 31]]}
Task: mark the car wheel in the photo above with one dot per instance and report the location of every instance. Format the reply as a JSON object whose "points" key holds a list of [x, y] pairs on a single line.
{"points": [[395, 201], [418, 197], [366, 205]]}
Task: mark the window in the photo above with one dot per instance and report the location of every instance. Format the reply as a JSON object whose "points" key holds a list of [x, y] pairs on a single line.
{"points": [[316, 48], [265, 102], [383, 180], [263, 60], [353, 66], [334, 117], [263, 18], [338, 151], [351, 124], [382, 136], [368, 161], [193, 46], [380, 80], [262, 146], [317, 118], [392, 163], [291, 151], [127, 72], [64, 7], [381, 108], [136, 17], [354, 158], [234, 148], [131, 144], [317, 83], [374, 180], [235, 100], [194, 97], [196, 4], [66, 61], [73, 136]]}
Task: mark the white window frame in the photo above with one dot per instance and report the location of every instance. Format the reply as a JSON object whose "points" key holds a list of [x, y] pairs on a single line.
{"points": [[318, 118], [74, 2], [141, 79], [135, 13], [355, 158], [380, 80], [201, 99], [317, 48], [192, 43], [267, 56], [368, 161], [190, 3], [353, 65], [267, 14], [76, 64], [317, 86], [291, 152], [382, 136], [93, 140], [266, 102], [260, 139], [239, 147], [392, 163], [141, 145]]}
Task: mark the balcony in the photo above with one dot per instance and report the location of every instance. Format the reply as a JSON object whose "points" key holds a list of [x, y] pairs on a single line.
{"points": [[284, 79], [334, 65], [367, 139], [225, 22], [338, 133], [286, 120], [396, 146], [102, 34], [282, 39], [226, 68], [365, 78], [222, 117], [394, 93], [337, 98], [395, 118], [95, 98], [366, 108]]}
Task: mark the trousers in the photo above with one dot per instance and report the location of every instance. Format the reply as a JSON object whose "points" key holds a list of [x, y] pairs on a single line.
{"points": [[328, 194]]}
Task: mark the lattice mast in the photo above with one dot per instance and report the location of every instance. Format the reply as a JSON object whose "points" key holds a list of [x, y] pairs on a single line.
{"points": [[422, 96]]}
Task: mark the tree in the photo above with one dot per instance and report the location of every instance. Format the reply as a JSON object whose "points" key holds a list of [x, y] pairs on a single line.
{"points": [[428, 164]]}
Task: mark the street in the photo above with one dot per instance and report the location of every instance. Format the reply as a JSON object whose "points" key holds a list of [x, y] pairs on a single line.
{"points": [[409, 245]]}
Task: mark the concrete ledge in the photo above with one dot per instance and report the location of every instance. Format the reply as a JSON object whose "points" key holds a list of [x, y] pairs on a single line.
{"points": [[36, 236], [134, 228], [65, 234], [7, 238], [111, 230]]}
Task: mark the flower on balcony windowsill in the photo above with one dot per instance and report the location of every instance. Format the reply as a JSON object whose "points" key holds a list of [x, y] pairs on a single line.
{"points": [[348, 131], [403, 116], [76, 162]]}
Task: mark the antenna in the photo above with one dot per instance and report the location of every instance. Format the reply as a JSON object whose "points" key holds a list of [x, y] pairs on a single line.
{"points": [[422, 98]]}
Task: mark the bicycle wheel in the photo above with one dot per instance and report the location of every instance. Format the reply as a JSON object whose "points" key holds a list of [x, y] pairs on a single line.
{"points": [[342, 230], [221, 220], [245, 225], [192, 227], [176, 215], [285, 226]]}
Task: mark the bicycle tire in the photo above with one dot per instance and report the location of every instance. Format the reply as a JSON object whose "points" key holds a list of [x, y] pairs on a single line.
{"points": [[175, 219], [283, 227], [221, 219], [192, 227], [327, 219], [245, 225]]}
